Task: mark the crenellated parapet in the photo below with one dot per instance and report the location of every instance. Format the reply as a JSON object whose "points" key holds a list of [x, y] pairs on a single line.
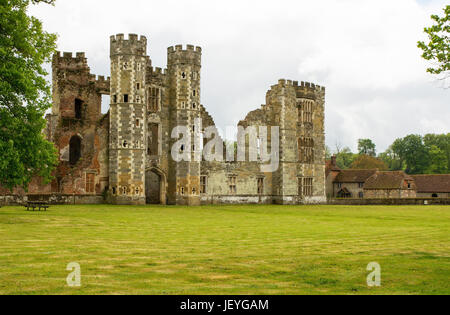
{"points": [[67, 60], [156, 75], [133, 45], [102, 84], [177, 55]]}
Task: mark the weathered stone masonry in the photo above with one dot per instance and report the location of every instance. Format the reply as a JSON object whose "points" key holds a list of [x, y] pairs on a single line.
{"points": [[125, 155]]}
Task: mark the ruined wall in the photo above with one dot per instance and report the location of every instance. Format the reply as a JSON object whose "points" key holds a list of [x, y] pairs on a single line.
{"points": [[282, 186], [76, 115], [158, 134]]}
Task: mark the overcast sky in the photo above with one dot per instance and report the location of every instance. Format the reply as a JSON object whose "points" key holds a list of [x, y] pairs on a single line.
{"points": [[363, 51]]}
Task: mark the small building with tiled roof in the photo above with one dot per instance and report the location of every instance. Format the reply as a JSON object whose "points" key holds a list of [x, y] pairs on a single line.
{"points": [[350, 183], [432, 186], [388, 185]]}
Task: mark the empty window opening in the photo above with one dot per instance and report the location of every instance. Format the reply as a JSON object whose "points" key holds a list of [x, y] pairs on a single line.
{"points": [[106, 100], [306, 150], [114, 190], [435, 196], [138, 122], [74, 149], [114, 98], [138, 86], [305, 111], [203, 182], [125, 98], [182, 190], [194, 191], [232, 184], [125, 144], [194, 106], [153, 99], [305, 187], [78, 108], [183, 75], [260, 186]]}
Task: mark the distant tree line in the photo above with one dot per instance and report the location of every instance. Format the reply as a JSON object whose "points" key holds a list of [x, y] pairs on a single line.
{"points": [[414, 154]]}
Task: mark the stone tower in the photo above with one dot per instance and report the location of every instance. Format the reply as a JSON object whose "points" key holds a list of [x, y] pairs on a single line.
{"points": [[184, 104], [127, 144]]}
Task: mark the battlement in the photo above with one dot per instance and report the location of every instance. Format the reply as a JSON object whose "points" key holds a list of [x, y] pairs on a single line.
{"points": [[102, 84], [67, 61], [178, 55], [157, 71], [179, 48], [131, 38], [99, 78], [133, 45], [304, 85]]}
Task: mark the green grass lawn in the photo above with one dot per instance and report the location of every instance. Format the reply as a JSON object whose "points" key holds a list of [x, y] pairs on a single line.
{"points": [[225, 249]]}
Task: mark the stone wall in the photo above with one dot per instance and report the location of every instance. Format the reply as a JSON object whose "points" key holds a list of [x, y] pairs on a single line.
{"points": [[391, 201], [430, 195], [53, 199], [354, 189], [389, 193]]}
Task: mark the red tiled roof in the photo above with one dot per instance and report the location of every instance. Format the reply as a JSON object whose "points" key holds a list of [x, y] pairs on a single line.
{"points": [[354, 176], [389, 180], [432, 183]]}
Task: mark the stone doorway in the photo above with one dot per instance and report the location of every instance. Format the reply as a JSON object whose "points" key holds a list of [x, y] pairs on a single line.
{"points": [[155, 187]]}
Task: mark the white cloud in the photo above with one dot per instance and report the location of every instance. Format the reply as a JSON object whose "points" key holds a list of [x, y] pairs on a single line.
{"points": [[363, 51]]}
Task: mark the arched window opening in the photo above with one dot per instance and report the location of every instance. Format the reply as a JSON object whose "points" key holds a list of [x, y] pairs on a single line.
{"points": [[78, 108], [75, 150]]}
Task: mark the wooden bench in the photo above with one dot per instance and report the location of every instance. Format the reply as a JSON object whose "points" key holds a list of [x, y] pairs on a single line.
{"points": [[40, 205]]}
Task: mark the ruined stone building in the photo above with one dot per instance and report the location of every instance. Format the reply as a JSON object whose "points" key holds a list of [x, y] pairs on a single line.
{"points": [[124, 156]]}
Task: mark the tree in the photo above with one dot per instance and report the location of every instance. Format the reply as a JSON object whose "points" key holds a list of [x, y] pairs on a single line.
{"points": [[344, 158], [392, 160], [24, 95], [438, 47], [438, 147], [366, 147], [438, 161], [412, 151], [364, 162]]}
